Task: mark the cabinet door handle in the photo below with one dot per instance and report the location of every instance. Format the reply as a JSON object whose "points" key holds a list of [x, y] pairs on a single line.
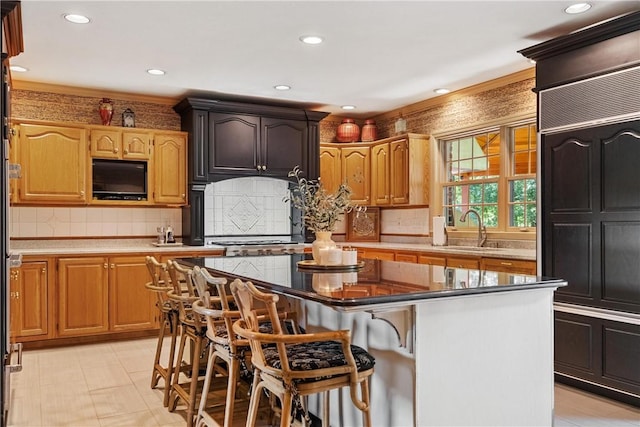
{"points": [[44, 270], [105, 265], [115, 150], [113, 266], [264, 167], [259, 167], [126, 151], [184, 196]]}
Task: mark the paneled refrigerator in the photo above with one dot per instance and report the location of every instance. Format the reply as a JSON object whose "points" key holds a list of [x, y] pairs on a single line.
{"points": [[11, 353]]}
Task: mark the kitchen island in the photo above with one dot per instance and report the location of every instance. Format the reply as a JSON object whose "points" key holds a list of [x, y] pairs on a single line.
{"points": [[452, 346]]}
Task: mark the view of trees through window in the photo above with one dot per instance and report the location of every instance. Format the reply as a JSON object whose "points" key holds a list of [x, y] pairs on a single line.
{"points": [[492, 172]]}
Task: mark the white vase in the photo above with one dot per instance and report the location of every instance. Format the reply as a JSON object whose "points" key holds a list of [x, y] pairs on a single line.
{"points": [[323, 241]]}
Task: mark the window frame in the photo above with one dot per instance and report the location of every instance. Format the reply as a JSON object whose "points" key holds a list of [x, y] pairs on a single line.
{"points": [[504, 128]]}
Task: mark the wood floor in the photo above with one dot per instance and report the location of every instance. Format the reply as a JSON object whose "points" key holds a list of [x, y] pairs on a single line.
{"points": [[108, 385]]}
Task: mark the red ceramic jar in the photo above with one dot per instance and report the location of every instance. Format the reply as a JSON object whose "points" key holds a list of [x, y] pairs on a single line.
{"points": [[369, 131], [348, 131]]}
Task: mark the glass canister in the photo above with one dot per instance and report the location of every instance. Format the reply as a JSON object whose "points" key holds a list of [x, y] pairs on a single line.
{"points": [[348, 131], [369, 131]]}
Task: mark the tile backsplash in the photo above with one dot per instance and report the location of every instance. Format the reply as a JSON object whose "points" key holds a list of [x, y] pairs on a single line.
{"points": [[247, 206], [30, 222]]}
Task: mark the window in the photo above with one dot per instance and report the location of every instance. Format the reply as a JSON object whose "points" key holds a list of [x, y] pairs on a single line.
{"points": [[494, 173], [522, 179]]}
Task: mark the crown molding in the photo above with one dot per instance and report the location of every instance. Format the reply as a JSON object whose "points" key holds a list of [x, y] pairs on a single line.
{"points": [[90, 92], [519, 76]]}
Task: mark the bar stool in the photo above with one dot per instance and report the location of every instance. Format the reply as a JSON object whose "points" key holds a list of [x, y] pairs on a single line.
{"points": [[160, 285], [193, 331], [225, 345], [292, 366]]}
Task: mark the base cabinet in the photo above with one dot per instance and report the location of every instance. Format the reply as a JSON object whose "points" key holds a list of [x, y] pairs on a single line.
{"points": [[29, 295], [599, 352], [131, 305], [83, 296]]}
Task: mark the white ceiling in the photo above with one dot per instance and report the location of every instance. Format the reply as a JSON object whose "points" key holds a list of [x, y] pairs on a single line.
{"points": [[377, 55]]}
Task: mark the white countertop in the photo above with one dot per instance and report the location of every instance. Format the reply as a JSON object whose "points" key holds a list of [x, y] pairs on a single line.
{"points": [[127, 246]]}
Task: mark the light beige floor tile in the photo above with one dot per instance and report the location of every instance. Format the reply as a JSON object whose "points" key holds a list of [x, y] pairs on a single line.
{"points": [[152, 397], [114, 401], [68, 375], [63, 407], [106, 376], [165, 418], [136, 419], [136, 361], [25, 410]]}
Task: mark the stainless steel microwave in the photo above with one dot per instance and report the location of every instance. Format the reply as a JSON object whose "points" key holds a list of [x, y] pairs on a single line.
{"points": [[119, 179]]}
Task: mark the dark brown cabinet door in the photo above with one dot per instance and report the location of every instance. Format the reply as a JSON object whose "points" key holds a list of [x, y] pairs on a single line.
{"points": [[233, 144], [591, 215], [284, 145]]}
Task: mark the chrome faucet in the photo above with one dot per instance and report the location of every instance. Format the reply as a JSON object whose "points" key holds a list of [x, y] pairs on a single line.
{"points": [[482, 229]]}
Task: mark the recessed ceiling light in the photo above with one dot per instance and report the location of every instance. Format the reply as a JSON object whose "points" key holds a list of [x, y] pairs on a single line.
{"points": [[155, 72], [76, 19], [282, 87], [348, 107], [18, 68], [442, 91], [577, 8], [311, 39]]}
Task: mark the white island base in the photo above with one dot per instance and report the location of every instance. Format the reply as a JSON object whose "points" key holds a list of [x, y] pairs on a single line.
{"points": [[476, 360]]}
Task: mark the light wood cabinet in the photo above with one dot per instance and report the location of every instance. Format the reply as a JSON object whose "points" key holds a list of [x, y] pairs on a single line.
{"points": [[330, 167], [378, 254], [356, 173], [83, 296], [119, 143], [29, 296], [391, 171], [462, 262], [170, 168], [509, 265], [53, 160], [407, 257], [432, 259], [131, 305]]}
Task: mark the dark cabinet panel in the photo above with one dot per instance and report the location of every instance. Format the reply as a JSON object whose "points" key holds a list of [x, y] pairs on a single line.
{"points": [[283, 146], [621, 263], [621, 358], [570, 258], [574, 344], [196, 122], [233, 144], [620, 155], [569, 167], [193, 217]]}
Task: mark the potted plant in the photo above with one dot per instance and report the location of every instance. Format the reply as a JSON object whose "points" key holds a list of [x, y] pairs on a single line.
{"points": [[320, 209]]}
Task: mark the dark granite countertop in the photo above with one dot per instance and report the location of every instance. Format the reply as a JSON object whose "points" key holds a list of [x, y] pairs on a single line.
{"points": [[375, 284]]}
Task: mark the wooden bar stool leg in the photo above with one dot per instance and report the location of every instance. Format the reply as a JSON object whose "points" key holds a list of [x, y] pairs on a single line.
{"points": [[173, 400], [205, 387], [325, 408], [157, 374], [173, 328], [193, 387]]}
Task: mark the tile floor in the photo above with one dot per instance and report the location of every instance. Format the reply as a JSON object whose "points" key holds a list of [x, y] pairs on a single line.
{"points": [[108, 385]]}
